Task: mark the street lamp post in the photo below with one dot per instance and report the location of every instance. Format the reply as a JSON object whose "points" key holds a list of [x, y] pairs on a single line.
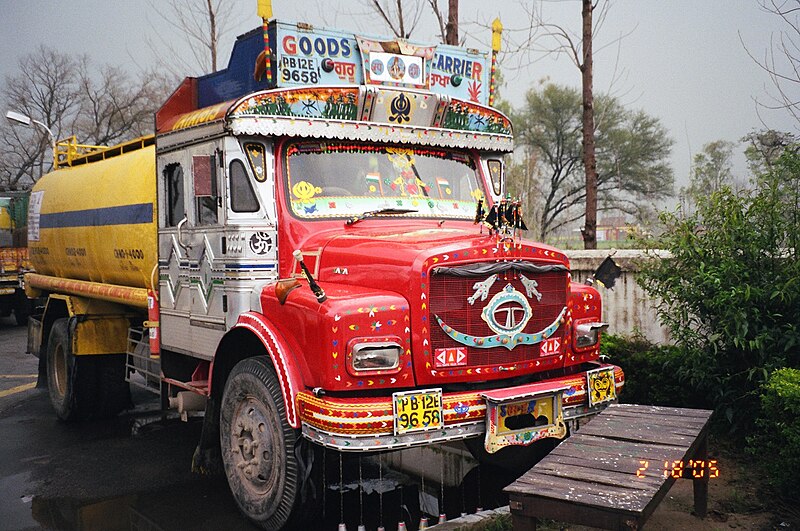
{"points": [[27, 120]]}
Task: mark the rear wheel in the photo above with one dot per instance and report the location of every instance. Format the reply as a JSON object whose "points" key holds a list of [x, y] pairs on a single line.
{"points": [[258, 446], [84, 387], [22, 308], [69, 379]]}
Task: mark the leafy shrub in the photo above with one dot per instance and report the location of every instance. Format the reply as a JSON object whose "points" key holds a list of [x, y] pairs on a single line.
{"points": [[777, 442], [649, 372], [730, 293]]}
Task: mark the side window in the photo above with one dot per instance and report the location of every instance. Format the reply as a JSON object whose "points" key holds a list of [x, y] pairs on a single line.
{"points": [[243, 198], [173, 179], [205, 189]]}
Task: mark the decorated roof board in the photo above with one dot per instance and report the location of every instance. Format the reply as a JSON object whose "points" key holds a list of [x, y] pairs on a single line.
{"points": [[307, 56]]}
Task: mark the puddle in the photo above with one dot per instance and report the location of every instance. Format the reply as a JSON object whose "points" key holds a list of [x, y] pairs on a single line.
{"points": [[16, 511], [385, 498], [133, 474]]}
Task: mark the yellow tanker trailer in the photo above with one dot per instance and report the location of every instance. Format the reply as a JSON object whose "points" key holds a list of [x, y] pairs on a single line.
{"points": [[93, 244]]}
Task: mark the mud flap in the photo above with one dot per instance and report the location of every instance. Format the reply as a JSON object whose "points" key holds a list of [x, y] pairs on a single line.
{"points": [[207, 458]]}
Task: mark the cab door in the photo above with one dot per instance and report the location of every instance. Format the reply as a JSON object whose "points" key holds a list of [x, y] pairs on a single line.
{"points": [[191, 276]]}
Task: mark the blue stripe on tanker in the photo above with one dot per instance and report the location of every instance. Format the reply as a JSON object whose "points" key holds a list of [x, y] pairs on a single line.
{"points": [[99, 217]]}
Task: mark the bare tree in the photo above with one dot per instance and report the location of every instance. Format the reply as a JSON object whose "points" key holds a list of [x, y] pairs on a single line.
{"points": [[448, 24], [401, 17], [47, 89], [580, 51], [114, 107], [202, 23], [781, 60], [68, 96]]}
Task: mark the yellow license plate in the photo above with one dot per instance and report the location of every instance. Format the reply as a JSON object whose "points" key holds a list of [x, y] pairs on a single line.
{"points": [[601, 385], [417, 411]]}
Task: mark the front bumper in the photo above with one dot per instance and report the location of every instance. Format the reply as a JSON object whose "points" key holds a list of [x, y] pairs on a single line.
{"points": [[363, 424]]}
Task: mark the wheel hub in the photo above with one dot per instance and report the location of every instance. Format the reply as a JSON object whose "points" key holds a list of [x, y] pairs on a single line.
{"points": [[60, 370], [252, 445]]}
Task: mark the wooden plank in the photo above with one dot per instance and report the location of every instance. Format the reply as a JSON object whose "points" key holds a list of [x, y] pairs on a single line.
{"points": [[659, 410], [617, 423], [625, 499], [618, 464], [636, 413], [604, 477], [653, 474], [636, 419], [601, 456], [639, 434], [574, 513], [631, 448]]}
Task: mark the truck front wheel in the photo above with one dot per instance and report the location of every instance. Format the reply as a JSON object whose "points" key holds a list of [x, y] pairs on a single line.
{"points": [[258, 445]]}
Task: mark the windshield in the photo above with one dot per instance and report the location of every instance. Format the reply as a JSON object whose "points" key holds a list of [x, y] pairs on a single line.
{"points": [[329, 180]]}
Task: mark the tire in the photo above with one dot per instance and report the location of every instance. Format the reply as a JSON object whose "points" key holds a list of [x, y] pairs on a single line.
{"points": [[84, 387], [70, 380], [22, 308], [512, 458], [258, 446], [113, 392]]}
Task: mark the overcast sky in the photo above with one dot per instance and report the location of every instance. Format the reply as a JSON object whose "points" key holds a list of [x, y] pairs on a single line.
{"points": [[680, 60]]}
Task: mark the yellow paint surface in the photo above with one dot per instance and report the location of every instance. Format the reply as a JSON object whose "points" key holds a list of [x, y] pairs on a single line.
{"points": [[120, 254]]}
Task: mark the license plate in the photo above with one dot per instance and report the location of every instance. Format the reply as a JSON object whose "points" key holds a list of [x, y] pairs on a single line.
{"points": [[601, 385], [417, 411]]}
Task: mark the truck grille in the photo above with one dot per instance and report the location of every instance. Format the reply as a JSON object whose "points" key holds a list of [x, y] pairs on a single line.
{"points": [[449, 295]]}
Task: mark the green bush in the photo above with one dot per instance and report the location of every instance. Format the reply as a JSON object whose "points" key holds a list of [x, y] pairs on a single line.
{"points": [[650, 372], [777, 441], [730, 293]]}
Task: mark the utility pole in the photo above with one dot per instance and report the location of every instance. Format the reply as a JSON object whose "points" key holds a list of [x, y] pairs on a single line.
{"points": [[589, 230]]}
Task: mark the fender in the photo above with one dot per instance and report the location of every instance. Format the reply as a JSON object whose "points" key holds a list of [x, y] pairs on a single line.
{"points": [[288, 375]]}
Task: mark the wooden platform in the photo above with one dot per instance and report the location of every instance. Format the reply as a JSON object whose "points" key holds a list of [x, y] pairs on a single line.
{"points": [[611, 473]]}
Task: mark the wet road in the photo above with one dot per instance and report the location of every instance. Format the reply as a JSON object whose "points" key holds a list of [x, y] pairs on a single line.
{"points": [[133, 473], [126, 474]]}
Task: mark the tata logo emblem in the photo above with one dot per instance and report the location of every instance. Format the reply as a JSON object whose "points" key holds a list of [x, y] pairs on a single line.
{"points": [[507, 312], [450, 357]]}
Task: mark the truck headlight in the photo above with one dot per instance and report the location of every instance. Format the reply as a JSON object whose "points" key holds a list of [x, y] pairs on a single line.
{"points": [[375, 356], [587, 334]]}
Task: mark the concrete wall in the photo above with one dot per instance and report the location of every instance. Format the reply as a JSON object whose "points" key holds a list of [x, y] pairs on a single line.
{"points": [[626, 307]]}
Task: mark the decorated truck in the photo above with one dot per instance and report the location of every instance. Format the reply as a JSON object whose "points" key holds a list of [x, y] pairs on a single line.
{"points": [[314, 249], [13, 256]]}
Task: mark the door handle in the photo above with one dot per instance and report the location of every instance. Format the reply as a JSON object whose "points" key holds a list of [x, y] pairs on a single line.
{"points": [[181, 223]]}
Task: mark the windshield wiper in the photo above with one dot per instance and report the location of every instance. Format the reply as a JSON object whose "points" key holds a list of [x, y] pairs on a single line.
{"points": [[380, 212]]}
